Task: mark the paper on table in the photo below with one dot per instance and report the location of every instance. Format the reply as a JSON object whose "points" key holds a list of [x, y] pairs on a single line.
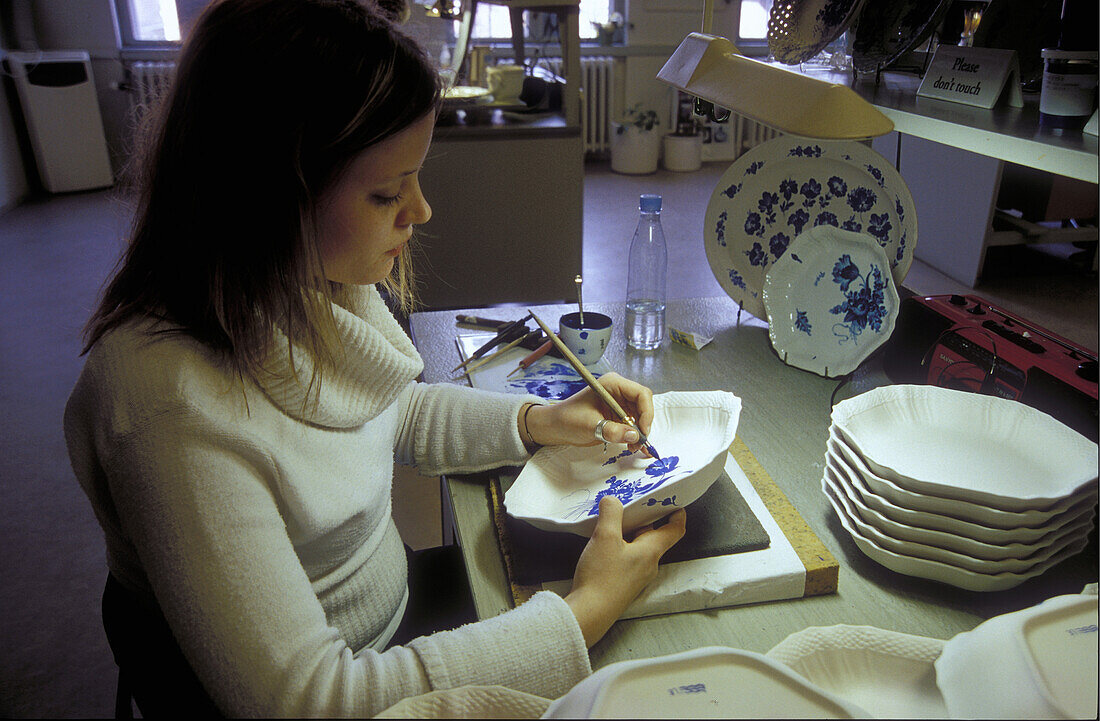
{"points": [[548, 377]]}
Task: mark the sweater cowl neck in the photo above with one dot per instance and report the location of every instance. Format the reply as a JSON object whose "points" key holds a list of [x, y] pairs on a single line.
{"points": [[375, 362]]}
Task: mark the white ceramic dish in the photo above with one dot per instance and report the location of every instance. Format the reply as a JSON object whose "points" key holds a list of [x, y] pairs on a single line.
{"points": [[889, 674], [941, 539], [785, 186], [710, 682], [943, 572], [966, 446], [559, 489], [965, 510], [943, 555], [957, 526], [1039, 662], [830, 300]]}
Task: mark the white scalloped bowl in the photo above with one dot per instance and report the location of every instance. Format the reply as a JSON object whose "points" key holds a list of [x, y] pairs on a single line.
{"points": [[1039, 662], [965, 510], [969, 447], [843, 480], [709, 682], [957, 526], [942, 572], [890, 674], [943, 555], [559, 489]]}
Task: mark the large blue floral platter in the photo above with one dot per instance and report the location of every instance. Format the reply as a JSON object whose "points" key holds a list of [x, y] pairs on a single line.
{"points": [[786, 186], [830, 301], [800, 29], [560, 488]]}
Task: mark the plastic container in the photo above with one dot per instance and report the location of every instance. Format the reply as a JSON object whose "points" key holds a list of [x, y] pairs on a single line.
{"points": [[647, 278], [1069, 87]]}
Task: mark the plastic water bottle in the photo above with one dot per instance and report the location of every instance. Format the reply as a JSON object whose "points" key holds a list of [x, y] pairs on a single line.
{"points": [[646, 278]]}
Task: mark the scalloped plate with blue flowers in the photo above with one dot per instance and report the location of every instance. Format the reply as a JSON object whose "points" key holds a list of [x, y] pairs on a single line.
{"points": [[560, 488], [830, 301], [786, 186]]}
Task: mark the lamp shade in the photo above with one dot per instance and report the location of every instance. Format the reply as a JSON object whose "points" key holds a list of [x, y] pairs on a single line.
{"points": [[712, 68]]}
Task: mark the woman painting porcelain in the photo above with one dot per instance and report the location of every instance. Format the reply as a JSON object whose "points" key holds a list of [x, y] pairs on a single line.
{"points": [[247, 391]]}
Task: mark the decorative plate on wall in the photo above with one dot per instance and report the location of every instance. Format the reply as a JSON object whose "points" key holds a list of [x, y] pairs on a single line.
{"points": [[788, 185], [797, 31], [830, 301]]}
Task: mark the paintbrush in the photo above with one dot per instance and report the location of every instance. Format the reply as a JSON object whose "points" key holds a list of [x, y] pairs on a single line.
{"points": [[507, 333], [500, 351], [532, 357], [595, 385]]}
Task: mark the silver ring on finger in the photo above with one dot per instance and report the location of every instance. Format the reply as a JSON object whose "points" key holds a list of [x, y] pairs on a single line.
{"points": [[599, 430]]}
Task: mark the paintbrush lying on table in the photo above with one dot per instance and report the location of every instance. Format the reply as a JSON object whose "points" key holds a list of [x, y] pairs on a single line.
{"points": [[590, 379]]}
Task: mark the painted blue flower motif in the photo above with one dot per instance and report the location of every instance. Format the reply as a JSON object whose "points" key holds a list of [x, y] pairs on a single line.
{"points": [[626, 490], [798, 220], [900, 209], [751, 170], [670, 501], [767, 201], [732, 190], [864, 302], [826, 218], [880, 227], [720, 228], [853, 225], [615, 458], [807, 151], [788, 187], [838, 187], [756, 255], [737, 280], [877, 175], [833, 13], [552, 381], [810, 190], [753, 225], [844, 272], [862, 199], [802, 323], [901, 247], [778, 245]]}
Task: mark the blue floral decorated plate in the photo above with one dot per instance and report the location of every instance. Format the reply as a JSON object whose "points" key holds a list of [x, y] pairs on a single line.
{"points": [[800, 29], [830, 300], [786, 186], [560, 488]]}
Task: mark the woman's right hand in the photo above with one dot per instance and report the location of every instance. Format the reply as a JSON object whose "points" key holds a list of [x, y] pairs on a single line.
{"points": [[612, 571]]}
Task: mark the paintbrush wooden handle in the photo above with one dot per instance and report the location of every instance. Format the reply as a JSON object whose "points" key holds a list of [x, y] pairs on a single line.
{"points": [[585, 373]]}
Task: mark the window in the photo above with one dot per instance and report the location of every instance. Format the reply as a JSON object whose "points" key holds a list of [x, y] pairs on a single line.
{"points": [[155, 22], [492, 22], [752, 25]]}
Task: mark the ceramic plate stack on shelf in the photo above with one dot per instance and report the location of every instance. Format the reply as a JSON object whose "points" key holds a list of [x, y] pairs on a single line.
{"points": [[974, 491]]}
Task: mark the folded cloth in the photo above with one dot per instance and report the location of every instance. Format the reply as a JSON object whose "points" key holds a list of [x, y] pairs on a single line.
{"points": [[469, 702]]}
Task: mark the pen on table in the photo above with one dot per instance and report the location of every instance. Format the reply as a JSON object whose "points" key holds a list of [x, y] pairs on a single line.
{"points": [[505, 334], [501, 350], [595, 385]]}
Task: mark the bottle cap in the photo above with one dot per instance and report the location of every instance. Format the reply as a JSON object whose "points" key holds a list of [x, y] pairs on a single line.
{"points": [[650, 203]]}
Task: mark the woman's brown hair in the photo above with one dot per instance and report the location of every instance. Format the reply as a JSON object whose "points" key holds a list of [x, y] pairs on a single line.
{"points": [[271, 102]]}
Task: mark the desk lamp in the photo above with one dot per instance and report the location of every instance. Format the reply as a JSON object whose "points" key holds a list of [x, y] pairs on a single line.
{"points": [[713, 70]]}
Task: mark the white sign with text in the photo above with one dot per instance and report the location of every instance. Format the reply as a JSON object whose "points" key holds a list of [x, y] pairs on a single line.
{"points": [[973, 76]]}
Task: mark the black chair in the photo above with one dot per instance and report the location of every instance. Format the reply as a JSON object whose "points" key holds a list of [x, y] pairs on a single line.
{"points": [[152, 670]]}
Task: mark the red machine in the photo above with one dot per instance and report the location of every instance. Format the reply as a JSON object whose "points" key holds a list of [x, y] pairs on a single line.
{"points": [[966, 343]]}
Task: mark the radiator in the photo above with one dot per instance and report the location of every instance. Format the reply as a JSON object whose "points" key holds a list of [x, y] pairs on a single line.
{"points": [[149, 80], [597, 86]]}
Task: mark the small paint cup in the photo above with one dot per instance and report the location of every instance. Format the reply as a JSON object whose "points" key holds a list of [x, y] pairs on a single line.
{"points": [[589, 341]]}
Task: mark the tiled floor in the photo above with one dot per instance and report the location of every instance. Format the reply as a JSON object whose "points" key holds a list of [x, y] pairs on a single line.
{"points": [[56, 253]]}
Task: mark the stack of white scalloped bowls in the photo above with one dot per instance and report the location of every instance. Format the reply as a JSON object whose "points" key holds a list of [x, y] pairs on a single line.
{"points": [[974, 491]]}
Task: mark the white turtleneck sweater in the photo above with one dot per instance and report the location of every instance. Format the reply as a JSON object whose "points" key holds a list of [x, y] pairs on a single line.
{"points": [[261, 524]]}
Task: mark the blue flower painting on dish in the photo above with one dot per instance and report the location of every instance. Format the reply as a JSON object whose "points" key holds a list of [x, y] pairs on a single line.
{"points": [[864, 304], [627, 489], [555, 381]]}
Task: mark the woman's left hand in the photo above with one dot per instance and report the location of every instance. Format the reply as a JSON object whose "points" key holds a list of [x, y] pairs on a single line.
{"points": [[573, 420]]}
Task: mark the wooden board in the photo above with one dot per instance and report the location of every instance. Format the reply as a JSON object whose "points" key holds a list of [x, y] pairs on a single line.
{"points": [[822, 569]]}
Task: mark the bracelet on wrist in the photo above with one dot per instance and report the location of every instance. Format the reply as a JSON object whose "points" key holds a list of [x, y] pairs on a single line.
{"points": [[529, 440]]}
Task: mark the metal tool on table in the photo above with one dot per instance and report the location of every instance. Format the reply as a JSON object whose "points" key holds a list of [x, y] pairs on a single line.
{"points": [[590, 379]]}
